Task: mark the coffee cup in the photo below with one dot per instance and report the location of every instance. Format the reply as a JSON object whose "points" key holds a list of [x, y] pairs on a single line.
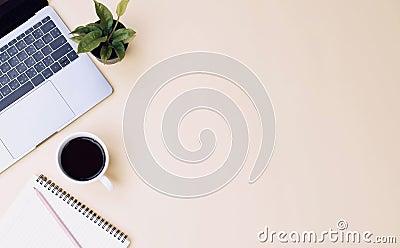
{"points": [[83, 158]]}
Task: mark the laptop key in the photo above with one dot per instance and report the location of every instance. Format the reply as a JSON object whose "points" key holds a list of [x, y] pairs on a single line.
{"points": [[48, 61], [47, 38], [22, 78], [21, 68], [29, 39], [46, 50], [14, 84], [5, 90], [4, 56], [47, 26], [31, 72], [39, 67], [29, 62], [37, 25], [3, 48], [55, 67], [28, 31], [37, 33], [72, 56], [20, 45], [4, 79], [5, 67], [19, 37], [38, 44], [30, 50], [63, 61], [15, 95], [22, 56], [38, 56], [37, 80], [13, 61], [61, 51], [12, 73], [45, 19], [12, 42], [55, 32], [12, 51], [57, 42], [47, 73]]}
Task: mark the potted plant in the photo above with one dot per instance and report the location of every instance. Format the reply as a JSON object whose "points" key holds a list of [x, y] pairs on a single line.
{"points": [[107, 39]]}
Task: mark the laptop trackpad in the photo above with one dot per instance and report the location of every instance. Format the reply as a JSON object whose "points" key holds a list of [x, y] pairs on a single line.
{"points": [[33, 119]]}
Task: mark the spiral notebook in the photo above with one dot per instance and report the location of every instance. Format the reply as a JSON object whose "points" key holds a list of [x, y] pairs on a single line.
{"points": [[29, 224]]}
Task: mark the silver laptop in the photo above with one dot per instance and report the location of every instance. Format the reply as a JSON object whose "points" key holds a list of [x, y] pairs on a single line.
{"points": [[44, 84]]}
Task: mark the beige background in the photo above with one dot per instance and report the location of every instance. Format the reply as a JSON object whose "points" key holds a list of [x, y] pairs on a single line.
{"points": [[332, 71]]}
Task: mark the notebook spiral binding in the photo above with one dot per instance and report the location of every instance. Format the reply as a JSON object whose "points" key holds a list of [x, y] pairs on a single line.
{"points": [[81, 208]]}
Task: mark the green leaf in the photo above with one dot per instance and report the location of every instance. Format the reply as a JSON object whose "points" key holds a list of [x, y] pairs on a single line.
{"points": [[80, 30], [87, 29], [106, 18], [124, 34], [105, 53], [122, 7], [119, 49], [91, 41], [77, 38], [95, 26]]}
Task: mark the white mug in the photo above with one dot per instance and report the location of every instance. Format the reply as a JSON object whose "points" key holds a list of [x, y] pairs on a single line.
{"points": [[106, 182]]}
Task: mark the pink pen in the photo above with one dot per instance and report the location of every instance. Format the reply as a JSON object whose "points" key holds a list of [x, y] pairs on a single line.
{"points": [[57, 218]]}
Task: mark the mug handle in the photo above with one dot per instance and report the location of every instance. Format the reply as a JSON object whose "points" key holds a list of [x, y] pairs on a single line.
{"points": [[106, 182]]}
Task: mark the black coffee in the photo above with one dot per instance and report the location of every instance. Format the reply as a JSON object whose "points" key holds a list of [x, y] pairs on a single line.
{"points": [[82, 159]]}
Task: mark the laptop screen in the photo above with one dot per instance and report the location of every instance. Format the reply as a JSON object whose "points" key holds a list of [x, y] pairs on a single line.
{"points": [[15, 12]]}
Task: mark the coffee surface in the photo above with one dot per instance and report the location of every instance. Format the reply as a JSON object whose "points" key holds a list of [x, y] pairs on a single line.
{"points": [[82, 159]]}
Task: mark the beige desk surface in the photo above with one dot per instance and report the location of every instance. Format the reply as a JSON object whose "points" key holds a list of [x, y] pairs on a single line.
{"points": [[332, 71]]}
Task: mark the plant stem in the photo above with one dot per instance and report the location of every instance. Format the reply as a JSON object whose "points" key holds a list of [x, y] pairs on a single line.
{"points": [[115, 26]]}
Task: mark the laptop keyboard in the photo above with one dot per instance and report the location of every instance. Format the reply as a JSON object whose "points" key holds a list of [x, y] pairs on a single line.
{"points": [[31, 58]]}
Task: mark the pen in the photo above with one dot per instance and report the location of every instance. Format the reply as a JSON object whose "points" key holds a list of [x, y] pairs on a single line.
{"points": [[57, 218]]}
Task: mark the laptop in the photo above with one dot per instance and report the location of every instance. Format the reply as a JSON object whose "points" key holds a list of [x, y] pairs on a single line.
{"points": [[44, 84]]}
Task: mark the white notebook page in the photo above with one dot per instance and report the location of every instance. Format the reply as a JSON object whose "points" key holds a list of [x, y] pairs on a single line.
{"points": [[28, 223]]}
